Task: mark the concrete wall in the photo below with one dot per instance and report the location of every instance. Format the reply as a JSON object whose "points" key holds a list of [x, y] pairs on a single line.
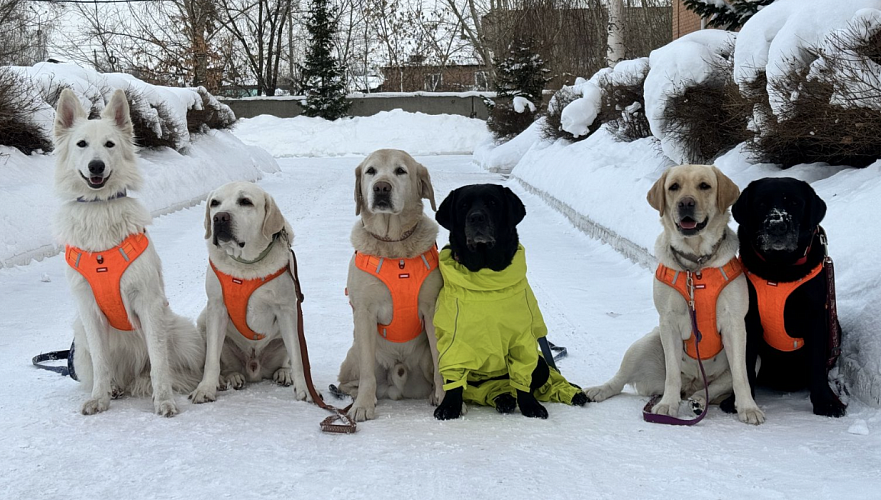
{"points": [[367, 105]]}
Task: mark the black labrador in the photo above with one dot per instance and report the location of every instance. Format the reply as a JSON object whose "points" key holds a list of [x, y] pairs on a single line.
{"points": [[780, 244], [482, 220]]}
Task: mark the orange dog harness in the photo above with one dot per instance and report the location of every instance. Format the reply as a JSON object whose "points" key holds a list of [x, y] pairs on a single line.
{"points": [[236, 295], [771, 297], [403, 278], [104, 270], [708, 284]]}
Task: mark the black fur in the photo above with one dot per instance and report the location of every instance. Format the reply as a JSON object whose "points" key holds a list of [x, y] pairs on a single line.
{"points": [[805, 314]]}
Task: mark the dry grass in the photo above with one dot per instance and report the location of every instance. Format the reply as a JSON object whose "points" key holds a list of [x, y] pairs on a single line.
{"points": [[18, 103]]}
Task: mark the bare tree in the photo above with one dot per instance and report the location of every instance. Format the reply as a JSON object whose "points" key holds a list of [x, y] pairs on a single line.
{"points": [[24, 32], [617, 49]]}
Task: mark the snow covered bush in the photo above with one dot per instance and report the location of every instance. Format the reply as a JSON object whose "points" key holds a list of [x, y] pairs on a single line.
{"points": [[623, 99], [18, 104], [520, 74], [552, 128], [692, 103]]}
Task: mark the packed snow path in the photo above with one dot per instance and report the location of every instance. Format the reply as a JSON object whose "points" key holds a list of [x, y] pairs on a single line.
{"points": [[260, 443]]}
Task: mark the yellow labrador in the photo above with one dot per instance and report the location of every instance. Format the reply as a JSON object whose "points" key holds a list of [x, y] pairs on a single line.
{"points": [[693, 202], [389, 188], [248, 241]]}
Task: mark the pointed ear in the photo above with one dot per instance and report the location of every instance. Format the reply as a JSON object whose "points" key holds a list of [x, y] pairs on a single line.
{"points": [[726, 190], [208, 216], [358, 198], [446, 213], [816, 208], [117, 110], [656, 196], [516, 209], [426, 190], [67, 112], [273, 220]]}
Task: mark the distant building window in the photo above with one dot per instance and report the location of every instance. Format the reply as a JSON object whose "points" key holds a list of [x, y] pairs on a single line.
{"points": [[433, 81], [480, 80]]}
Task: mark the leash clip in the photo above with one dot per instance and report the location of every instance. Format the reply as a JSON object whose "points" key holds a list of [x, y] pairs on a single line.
{"points": [[689, 284]]}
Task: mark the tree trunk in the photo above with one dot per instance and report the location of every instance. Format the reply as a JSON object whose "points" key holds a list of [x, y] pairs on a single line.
{"points": [[616, 49]]}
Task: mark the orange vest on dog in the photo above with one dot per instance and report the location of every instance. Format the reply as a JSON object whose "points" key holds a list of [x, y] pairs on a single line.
{"points": [[708, 284], [236, 294], [104, 270], [403, 278], [771, 297]]}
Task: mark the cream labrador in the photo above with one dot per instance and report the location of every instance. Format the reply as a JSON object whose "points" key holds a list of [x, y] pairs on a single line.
{"points": [[389, 188], [693, 202], [251, 335]]}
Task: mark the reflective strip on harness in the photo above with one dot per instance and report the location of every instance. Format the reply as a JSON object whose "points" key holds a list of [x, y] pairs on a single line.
{"points": [[236, 294], [403, 284], [103, 270], [708, 284]]}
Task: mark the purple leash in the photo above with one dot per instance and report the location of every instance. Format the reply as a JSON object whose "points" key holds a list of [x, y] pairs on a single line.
{"points": [[647, 414]]}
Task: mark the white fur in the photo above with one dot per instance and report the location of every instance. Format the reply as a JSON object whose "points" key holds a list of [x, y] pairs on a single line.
{"points": [[232, 359], [657, 363], [375, 367], [165, 352]]}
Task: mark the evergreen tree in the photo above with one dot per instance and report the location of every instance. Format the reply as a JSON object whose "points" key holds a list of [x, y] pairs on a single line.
{"points": [[522, 72], [324, 78], [729, 15]]}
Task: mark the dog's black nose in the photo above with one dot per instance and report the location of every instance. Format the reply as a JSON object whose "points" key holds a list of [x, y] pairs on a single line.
{"points": [[687, 202], [777, 227], [221, 218], [382, 188], [477, 217], [96, 167]]}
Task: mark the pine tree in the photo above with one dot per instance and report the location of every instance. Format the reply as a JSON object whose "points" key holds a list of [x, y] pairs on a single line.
{"points": [[324, 78], [729, 15], [522, 72]]}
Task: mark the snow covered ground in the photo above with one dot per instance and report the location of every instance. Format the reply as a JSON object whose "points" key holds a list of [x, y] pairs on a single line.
{"points": [[259, 443], [416, 133]]}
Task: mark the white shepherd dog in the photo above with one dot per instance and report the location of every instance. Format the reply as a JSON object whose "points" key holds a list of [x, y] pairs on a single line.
{"points": [[127, 339]]}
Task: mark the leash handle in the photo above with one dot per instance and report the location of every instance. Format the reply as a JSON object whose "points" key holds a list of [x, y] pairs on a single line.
{"points": [[654, 418], [348, 425], [42, 358]]}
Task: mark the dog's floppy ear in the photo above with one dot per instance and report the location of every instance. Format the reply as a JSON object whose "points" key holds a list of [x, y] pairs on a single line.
{"points": [[816, 209], [516, 209], [741, 207], [726, 190], [426, 190], [117, 110], [67, 112], [273, 220], [655, 196], [446, 212], [208, 216], [358, 199]]}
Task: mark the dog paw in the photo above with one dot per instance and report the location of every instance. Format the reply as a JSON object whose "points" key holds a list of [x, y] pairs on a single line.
{"points": [[301, 391], [697, 405], [436, 397], [830, 408], [116, 391], [204, 393], [580, 399], [664, 408], [165, 408], [505, 403], [753, 416], [360, 413], [448, 412], [598, 393], [728, 405], [282, 377], [530, 407], [235, 380], [96, 405]]}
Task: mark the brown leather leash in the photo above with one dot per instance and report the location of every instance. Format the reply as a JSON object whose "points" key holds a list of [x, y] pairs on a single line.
{"points": [[348, 425], [834, 327]]}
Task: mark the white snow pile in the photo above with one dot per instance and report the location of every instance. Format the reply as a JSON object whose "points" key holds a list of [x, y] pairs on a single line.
{"points": [[163, 109], [580, 114], [693, 60], [501, 158], [521, 104], [416, 133]]}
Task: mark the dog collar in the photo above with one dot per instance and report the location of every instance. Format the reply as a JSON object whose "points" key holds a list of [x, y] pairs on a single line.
{"points": [[265, 252], [700, 260], [403, 237], [121, 194]]}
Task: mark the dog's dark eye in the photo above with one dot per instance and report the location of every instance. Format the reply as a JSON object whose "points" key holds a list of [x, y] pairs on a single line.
{"points": [[246, 202], [82, 144], [214, 203], [109, 144], [704, 186], [370, 171], [400, 171], [674, 187], [491, 202]]}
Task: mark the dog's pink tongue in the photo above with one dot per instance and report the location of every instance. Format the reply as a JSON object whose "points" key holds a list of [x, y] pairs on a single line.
{"points": [[96, 180], [687, 224]]}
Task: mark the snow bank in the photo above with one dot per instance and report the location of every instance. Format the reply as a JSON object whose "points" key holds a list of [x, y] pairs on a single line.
{"points": [[172, 181], [579, 114], [416, 133], [503, 157], [601, 184]]}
